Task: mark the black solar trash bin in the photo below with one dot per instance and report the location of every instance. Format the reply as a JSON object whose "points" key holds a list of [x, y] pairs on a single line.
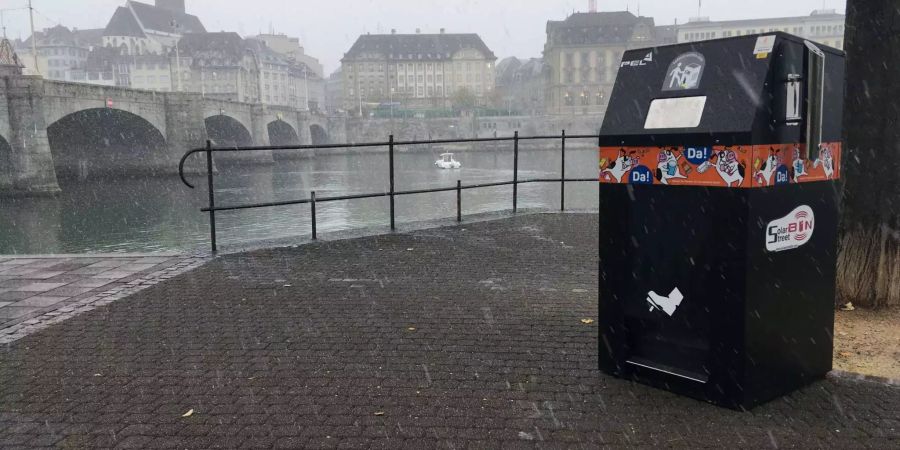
{"points": [[718, 217]]}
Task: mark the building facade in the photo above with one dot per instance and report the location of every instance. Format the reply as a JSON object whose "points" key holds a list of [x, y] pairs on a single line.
{"points": [[142, 29], [285, 79], [520, 86], [290, 47], [417, 71], [823, 26], [582, 56], [60, 52], [334, 92], [220, 65]]}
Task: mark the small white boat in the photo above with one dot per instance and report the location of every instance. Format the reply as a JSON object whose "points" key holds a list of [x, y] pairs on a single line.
{"points": [[447, 162]]}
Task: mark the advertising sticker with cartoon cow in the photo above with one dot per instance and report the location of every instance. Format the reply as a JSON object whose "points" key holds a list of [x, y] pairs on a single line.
{"points": [[723, 166]]}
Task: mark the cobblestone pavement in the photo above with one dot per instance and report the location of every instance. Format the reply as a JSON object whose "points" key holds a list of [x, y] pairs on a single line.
{"points": [[39, 290], [460, 337]]}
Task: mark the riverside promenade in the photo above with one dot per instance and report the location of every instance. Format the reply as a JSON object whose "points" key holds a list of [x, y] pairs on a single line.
{"points": [[481, 335]]}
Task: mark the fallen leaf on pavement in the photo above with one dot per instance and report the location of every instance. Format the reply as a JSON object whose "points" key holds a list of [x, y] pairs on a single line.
{"points": [[379, 413], [844, 354], [587, 321], [847, 307], [411, 328], [188, 414]]}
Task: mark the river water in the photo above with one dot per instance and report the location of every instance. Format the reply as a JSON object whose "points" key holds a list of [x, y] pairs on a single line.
{"points": [[151, 214]]}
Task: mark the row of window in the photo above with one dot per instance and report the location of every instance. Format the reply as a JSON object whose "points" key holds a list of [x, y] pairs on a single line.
{"points": [[62, 63], [150, 79], [797, 30], [584, 76], [584, 58], [410, 90], [54, 51], [413, 67], [584, 98]]}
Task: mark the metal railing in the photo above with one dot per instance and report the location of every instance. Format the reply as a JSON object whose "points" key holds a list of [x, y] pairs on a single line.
{"points": [[391, 144]]}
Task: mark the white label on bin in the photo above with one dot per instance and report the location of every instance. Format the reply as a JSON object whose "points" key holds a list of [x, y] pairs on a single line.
{"points": [[792, 230], [764, 44]]}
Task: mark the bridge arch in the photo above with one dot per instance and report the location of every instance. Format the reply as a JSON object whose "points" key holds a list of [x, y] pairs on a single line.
{"points": [[318, 135], [105, 141], [282, 133], [226, 131]]}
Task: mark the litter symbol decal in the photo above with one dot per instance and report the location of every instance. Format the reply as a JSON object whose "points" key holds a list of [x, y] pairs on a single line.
{"points": [[668, 304], [685, 72]]}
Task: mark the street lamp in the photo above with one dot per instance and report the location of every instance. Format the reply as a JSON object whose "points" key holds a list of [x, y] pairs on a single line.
{"points": [[358, 91], [306, 87], [176, 27]]}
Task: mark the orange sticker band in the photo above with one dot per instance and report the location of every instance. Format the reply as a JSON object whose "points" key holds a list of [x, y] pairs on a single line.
{"points": [[739, 166]]}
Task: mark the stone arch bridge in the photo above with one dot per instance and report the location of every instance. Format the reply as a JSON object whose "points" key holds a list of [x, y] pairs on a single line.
{"points": [[51, 129]]}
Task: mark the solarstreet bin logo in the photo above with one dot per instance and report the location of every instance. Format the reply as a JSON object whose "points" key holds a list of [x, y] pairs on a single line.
{"points": [[791, 231], [685, 72]]}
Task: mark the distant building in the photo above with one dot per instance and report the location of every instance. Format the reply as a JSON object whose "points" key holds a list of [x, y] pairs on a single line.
{"points": [[823, 26], [290, 47], [417, 70], [289, 76], [220, 65], [334, 92], [141, 29], [582, 56], [520, 86], [60, 51]]}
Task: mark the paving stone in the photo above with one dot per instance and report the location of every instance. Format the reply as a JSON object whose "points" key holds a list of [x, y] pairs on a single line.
{"points": [[41, 301], [43, 275], [69, 291], [39, 287], [113, 275], [14, 312], [11, 296]]}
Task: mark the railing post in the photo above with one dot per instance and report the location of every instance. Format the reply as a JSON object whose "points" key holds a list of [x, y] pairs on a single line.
{"points": [[562, 183], [391, 157], [312, 206], [212, 196], [515, 170], [459, 200]]}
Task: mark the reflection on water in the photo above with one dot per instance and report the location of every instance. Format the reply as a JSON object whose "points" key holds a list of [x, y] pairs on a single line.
{"points": [[157, 214]]}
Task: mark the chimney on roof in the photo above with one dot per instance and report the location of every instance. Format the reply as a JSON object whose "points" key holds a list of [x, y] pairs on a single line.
{"points": [[393, 31], [418, 31], [442, 30], [176, 6]]}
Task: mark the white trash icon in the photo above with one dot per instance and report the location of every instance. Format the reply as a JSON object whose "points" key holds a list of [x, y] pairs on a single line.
{"points": [[668, 304]]}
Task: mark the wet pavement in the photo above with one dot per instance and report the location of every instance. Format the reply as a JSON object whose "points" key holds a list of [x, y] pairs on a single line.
{"points": [[458, 337], [41, 288]]}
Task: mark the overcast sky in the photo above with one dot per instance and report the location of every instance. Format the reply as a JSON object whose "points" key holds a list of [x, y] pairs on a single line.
{"points": [[329, 27]]}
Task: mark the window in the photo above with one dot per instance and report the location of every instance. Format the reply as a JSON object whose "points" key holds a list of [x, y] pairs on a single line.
{"points": [[585, 99], [569, 100]]}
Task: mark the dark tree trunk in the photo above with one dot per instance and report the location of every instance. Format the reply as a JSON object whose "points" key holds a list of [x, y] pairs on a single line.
{"points": [[869, 259]]}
